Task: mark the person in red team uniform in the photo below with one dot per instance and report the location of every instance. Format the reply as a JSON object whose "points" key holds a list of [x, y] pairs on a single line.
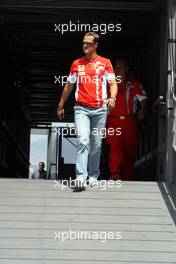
{"points": [[122, 148]]}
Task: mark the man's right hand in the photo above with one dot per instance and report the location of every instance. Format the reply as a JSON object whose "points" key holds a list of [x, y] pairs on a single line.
{"points": [[60, 113], [65, 94]]}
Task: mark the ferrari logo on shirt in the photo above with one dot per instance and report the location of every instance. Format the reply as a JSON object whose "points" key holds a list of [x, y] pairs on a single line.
{"points": [[93, 66], [81, 67]]}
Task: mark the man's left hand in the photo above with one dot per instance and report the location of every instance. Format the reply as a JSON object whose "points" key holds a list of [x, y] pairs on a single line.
{"points": [[140, 115]]}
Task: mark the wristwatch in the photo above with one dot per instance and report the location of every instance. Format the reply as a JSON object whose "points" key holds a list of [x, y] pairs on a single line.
{"points": [[113, 98]]}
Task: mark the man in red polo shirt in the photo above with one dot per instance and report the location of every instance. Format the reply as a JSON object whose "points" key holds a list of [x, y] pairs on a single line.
{"points": [[91, 74], [125, 116]]}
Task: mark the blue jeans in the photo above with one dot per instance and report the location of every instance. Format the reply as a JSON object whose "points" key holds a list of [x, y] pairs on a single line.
{"points": [[90, 129]]}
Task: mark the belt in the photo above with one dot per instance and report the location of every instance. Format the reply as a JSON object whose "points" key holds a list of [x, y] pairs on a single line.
{"points": [[80, 104]]}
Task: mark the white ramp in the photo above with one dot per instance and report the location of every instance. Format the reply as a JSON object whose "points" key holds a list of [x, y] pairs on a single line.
{"points": [[127, 224]]}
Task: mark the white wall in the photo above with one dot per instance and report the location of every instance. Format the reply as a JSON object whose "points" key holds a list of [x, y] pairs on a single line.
{"points": [[38, 148]]}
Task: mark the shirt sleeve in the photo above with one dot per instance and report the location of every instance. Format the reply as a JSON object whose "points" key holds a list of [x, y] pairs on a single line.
{"points": [[72, 78], [109, 71], [140, 92]]}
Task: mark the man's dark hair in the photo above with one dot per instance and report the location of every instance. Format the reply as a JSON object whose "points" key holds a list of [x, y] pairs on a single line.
{"points": [[94, 35], [42, 163]]}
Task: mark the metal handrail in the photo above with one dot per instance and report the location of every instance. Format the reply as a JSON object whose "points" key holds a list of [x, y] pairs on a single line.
{"points": [[14, 142], [171, 53]]}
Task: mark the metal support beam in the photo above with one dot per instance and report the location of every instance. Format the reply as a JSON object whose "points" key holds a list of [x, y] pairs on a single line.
{"points": [[27, 6]]}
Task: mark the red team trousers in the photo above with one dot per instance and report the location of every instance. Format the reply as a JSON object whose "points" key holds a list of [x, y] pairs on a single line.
{"points": [[122, 147]]}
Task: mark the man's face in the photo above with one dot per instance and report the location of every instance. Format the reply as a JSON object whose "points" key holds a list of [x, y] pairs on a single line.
{"points": [[88, 45], [121, 69]]}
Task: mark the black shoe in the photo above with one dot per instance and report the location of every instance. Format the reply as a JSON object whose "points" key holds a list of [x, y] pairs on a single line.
{"points": [[79, 186]]}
